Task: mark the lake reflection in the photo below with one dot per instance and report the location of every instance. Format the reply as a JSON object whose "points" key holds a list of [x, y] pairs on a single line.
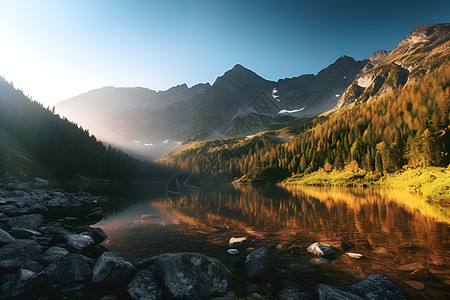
{"points": [[390, 227]]}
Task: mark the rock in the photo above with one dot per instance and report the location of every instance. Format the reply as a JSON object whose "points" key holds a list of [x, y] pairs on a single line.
{"points": [[354, 255], [283, 246], [422, 273], [320, 249], [79, 242], [241, 242], [5, 237], [18, 286], [145, 263], [97, 234], [319, 260], [376, 286], [53, 253], [13, 211], [415, 284], [233, 251], [383, 252], [20, 251], [98, 251], [70, 268], [258, 263], [28, 222], [255, 296], [38, 209], [227, 296], [95, 216], [291, 291], [112, 270], [108, 297], [410, 267], [144, 287], [22, 233], [33, 265], [347, 245], [191, 275], [326, 292]]}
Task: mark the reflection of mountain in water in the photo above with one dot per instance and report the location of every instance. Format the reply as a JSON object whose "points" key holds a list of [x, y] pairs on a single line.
{"points": [[375, 217]]}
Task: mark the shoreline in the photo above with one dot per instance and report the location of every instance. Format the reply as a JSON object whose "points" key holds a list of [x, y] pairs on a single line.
{"points": [[432, 182]]}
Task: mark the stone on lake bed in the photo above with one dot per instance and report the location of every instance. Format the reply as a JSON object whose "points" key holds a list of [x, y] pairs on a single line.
{"points": [[320, 249], [233, 251], [417, 285], [354, 255], [238, 242], [410, 267]]}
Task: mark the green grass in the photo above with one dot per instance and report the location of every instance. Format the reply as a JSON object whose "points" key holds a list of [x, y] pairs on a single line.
{"points": [[431, 182]]}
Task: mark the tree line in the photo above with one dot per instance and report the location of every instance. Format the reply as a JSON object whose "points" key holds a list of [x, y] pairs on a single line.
{"points": [[406, 127]]}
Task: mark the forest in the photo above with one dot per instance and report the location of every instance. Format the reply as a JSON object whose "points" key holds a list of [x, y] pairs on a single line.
{"points": [[64, 147], [406, 127]]}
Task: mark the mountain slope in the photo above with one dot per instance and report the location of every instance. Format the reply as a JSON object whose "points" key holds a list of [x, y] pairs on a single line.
{"points": [[422, 51], [59, 145], [239, 103]]}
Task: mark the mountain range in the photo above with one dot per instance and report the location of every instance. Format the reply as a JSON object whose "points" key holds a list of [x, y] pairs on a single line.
{"points": [[241, 103]]}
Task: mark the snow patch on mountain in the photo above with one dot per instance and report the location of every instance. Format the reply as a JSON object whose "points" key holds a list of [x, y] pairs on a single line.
{"points": [[285, 111]]}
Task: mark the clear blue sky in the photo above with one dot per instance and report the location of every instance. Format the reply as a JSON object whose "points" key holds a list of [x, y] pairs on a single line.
{"points": [[54, 50]]}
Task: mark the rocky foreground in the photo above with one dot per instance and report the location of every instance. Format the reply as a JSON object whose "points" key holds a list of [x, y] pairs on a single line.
{"points": [[44, 257]]}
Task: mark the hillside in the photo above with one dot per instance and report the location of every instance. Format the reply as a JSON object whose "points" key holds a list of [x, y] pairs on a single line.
{"points": [[37, 139], [407, 127]]}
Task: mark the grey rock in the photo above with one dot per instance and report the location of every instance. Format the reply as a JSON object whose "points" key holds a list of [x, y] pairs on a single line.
{"points": [[144, 286], [95, 216], [291, 291], [23, 233], [258, 263], [79, 242], [327, 292], [28, 222], [98, 251], [97, 234], [38, 209], [191, 275], [112, 270], [376, 286], [32, 265], [69, 269], [320, 249], [20, 250], [5, 237], [13, 211], [53, 253]]}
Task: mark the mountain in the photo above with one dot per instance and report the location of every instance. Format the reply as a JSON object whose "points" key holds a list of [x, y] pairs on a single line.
{"points": [[422, 51], [239, 103], [32, 137]]}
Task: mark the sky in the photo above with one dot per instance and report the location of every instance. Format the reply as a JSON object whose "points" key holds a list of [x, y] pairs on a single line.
{"points": [[54, 50]]}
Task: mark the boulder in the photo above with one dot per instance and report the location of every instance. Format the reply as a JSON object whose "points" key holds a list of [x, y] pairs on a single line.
{"points": [[27, 221], [326, 292], [79, 242], [320, 249], [22, 233], [5, 237], [258, 263], [20, 251], [376, 286], [18, 286], [112, 270], [291, 291], [97, 234], [95, 216], [144, 286], [70, 268], [53, 253], [98, 251], [191, 275]]}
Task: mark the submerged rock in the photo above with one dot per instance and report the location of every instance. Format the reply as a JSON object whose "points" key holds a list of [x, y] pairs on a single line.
{"points": [[144, 286], [320, 249], [327, 292], [111, 270], [258, 263], [354, 255], [240, 242], [377, 286], [191, 275]]}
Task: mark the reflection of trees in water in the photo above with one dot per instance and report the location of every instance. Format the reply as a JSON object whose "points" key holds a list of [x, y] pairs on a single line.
{"points": [[377, 216]]}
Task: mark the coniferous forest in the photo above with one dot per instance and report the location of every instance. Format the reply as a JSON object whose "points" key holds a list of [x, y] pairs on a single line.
{"points": [[64, 147], [406, 127]]}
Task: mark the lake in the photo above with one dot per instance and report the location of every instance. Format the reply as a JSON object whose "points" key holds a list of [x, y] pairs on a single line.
{"points": [[391, 228]]}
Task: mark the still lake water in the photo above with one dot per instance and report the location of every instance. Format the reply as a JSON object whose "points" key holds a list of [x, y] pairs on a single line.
{"points": [[389, 227]]}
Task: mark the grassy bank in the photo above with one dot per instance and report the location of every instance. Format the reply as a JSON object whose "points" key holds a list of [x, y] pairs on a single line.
{"points": [[432, 182]]}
